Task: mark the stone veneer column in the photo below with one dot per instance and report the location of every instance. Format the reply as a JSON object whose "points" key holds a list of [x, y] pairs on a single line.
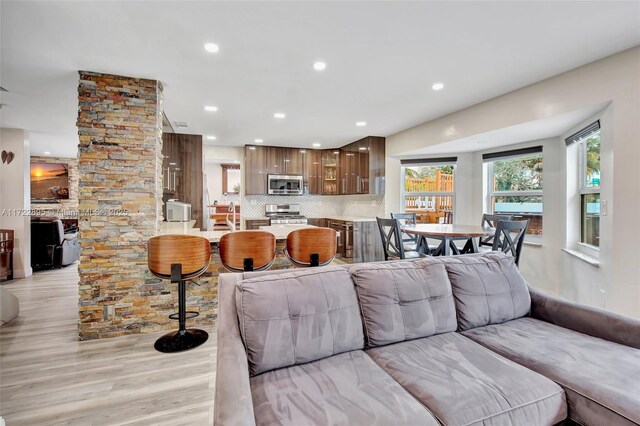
{"points": [[120, 202]]}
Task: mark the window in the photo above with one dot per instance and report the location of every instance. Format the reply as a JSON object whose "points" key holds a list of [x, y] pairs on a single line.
{"points": [[428, 189], [589, 149], [515, 183]]}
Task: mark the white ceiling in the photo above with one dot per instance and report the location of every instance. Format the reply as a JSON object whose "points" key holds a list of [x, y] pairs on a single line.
{"points": [[382, 58]]}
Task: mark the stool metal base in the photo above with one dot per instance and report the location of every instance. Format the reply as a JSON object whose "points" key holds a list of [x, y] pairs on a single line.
{"points": [[181, 340]]}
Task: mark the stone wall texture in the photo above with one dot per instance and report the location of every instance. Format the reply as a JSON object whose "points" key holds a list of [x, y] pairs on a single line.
{"points": [[120, 204]]}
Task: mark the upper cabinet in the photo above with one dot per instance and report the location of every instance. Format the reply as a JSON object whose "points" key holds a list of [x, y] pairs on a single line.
{"points": [[255, 170], [312, 171], [357, 168], [331, 172], [182, 172]]}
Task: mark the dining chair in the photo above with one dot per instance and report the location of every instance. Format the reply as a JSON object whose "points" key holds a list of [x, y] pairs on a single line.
{"points": [[505, 242], [491, 220], [409, 241], [247, 250], [179, 258], [312, 246], [392, 240]]}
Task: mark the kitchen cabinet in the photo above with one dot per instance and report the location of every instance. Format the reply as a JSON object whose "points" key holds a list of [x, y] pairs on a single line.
{"points": [[312, 172], [255, 176], [356, 168], [331, 172], [255, 224], [345, 236], [376, 171], [363, 166], [182, 172], [321, 222]]}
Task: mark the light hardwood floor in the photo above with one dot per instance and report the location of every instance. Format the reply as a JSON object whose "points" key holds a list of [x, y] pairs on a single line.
{"points": [[48, 377]]}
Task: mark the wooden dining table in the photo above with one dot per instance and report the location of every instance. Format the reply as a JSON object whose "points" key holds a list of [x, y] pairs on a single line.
{"points": [[448, 234]]}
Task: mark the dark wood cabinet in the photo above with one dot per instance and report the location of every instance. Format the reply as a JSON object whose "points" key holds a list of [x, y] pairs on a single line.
{"points": [[255, 175], [294, 161], [312, 173], [320, 222], [6, 254], [256, 223], [183, 177], [331, 172], [376, 164], [345, 236], [357, 168]]}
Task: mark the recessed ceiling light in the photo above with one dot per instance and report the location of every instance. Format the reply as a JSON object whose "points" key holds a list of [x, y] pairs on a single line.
{"points": [[258, 140], [211, 138], [211, 108], [319, 66], [211, 47], [317, 145], [437, 86], [279, 115], [47, 153], [361, 123]]}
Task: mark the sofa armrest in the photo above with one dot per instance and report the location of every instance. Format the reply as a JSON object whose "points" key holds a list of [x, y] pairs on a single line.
{"points": [[233, 402], [585, 319]]}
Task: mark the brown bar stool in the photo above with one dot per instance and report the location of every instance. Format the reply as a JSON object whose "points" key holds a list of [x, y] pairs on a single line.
{"points": [[312, 246], [180, 258], [247, 250]]}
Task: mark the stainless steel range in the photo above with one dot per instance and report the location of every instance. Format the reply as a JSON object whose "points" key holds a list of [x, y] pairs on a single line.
{"points": [[285, 214]]}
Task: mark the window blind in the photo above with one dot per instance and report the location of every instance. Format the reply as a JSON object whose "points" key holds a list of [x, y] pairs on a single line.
{"points": [[426, 161], [511, 153], [581, 134]]}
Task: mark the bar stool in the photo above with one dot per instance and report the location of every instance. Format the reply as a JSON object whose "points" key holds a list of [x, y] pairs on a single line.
{"points": [[312, 246], [247, 250], [179, 258]]}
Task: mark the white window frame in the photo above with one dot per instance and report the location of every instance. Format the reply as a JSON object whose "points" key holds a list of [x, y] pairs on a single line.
{"points": [[491, 192], [583, 189], [404, 193]]}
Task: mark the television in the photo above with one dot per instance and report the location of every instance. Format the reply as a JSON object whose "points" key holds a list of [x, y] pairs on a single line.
{"points": [[49, 182]]}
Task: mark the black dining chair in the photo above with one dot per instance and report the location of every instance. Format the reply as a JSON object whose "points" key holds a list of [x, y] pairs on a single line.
{"points": [[504, 240], [392, 240], [491, 220], [409, 241]]}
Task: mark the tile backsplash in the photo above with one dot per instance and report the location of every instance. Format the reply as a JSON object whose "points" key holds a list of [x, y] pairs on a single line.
{"points": [[317, 206]]}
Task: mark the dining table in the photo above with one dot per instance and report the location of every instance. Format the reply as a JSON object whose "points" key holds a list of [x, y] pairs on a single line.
{"points": [[448, 234]]}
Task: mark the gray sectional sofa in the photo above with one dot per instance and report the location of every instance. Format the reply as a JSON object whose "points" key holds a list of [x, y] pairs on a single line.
{"points": [[459, 340]]}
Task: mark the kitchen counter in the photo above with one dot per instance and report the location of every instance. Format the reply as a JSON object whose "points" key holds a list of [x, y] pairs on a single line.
{"points": [[280, 231], [352, 218]]}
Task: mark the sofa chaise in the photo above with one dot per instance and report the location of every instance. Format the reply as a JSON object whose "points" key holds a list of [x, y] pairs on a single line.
{"points": [[460, 340]]}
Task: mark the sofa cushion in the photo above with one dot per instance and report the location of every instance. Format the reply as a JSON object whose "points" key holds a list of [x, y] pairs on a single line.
{"points": [[297, 317], [487, 288], [462, 383], [602, 379], [346, 389], [403, 300]]}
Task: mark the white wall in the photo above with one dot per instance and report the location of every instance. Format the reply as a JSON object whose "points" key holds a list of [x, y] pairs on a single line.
{"points": [[15, 194], [614, 80]]}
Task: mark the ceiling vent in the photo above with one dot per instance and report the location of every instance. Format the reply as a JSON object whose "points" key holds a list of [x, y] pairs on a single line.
{"points": [[181, 124]]}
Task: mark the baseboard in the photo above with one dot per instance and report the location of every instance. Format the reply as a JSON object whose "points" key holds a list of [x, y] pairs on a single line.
{"points": [[23, 273]]}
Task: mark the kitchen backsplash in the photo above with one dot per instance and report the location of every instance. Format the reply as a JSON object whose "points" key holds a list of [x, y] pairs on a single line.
{"points": [[317, 206]]}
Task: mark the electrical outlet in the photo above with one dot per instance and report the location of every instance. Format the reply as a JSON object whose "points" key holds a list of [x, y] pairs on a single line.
{"points": [[603, 207]]}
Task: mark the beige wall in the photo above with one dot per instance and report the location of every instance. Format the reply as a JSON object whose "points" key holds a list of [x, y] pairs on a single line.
{"points": [[15, 197], [614, 80]]}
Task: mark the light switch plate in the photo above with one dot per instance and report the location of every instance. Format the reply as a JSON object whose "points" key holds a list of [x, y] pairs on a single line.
{"points": [[603, 207]]}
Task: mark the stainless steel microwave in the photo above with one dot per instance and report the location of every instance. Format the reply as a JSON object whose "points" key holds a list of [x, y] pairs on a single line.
{"points": [[285, 185]]}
